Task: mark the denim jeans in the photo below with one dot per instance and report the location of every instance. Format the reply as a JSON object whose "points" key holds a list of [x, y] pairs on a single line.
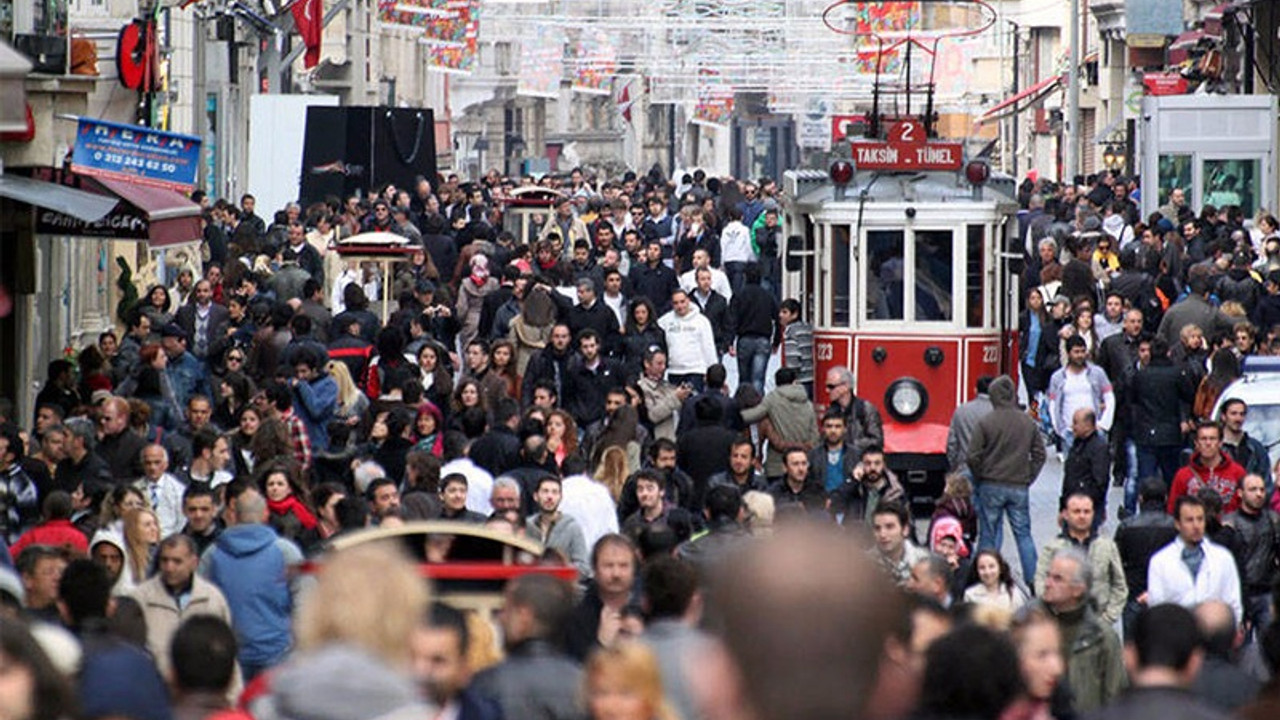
{"points": [[994, 501], [1131, 477], [1161, 461], [1257, 611], [736, 273], [753, 359]]}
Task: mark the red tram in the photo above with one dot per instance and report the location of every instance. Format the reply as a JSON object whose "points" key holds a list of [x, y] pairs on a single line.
{"points": [[901, 259]]}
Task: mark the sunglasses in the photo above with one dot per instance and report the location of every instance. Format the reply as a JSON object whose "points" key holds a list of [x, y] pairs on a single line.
{"points": [[235, 358]]}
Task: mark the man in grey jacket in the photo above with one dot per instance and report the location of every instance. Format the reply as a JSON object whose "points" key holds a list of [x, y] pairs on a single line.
{"points": [[792, 422], [556, 530], [964, 420], [1006, 454]]}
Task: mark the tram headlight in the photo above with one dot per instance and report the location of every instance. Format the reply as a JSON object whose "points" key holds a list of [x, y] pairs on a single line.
{"points": [[906, 400]]}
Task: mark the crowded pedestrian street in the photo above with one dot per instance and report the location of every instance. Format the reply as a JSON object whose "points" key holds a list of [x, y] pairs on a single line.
{"points": [[519, 360]]}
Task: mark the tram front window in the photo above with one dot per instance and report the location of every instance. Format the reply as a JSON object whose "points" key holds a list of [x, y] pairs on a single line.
{"points": [[886, 268], [934, 275]]}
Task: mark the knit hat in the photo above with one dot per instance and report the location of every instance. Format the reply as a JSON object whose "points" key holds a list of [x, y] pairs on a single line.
{"points": [[948, 526]]}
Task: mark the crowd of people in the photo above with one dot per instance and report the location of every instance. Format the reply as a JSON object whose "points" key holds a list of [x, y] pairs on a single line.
{"points": [[570, 387]]}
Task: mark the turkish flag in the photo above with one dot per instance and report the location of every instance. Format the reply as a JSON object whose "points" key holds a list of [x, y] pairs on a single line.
{"points": [[308, 15]]}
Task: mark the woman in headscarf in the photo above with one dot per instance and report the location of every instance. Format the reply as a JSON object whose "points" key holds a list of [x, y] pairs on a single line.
{"points": [[471, 294], [531, 329]]}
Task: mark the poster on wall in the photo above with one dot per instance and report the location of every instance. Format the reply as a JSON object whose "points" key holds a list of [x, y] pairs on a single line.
{"points": [[137, 154]]}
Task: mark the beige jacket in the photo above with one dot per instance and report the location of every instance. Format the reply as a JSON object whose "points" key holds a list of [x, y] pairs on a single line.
{"points": [[164, 616]]}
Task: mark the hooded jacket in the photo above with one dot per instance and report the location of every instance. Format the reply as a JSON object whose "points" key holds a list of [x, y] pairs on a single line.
{"points": [[1006, 446], [691, 344], [340, 682], [791, 413], [1195, 476], [249, 567]]}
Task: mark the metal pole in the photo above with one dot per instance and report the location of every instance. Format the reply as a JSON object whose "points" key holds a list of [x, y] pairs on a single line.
{"points": [[1017, 51], [1071, 152]]}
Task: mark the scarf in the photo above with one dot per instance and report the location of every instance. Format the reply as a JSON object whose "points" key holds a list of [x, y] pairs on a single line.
{"points": [[291, 505]]}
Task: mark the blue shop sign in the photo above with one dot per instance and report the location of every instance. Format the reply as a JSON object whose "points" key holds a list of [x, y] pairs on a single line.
{"points": [[137, 154]]}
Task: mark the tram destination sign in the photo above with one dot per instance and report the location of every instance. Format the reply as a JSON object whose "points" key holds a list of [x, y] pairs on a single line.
{"points": [[907, 148]]}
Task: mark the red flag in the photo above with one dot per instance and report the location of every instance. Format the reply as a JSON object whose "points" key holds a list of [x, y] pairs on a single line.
{"points": [[625, 102], [308, 15]]}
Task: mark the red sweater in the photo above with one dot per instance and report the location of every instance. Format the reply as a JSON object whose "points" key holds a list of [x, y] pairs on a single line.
{"points": [[1194, 477], [55, 533]]}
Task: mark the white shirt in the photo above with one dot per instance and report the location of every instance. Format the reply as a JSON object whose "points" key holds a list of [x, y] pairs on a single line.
{"points": [[166, 501], [589, 502], [479, 483], [1077, 394], [618, 305], [719, 282], [1169, 579]]}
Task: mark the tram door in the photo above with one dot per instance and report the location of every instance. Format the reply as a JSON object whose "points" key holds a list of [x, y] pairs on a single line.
{"points": [[801, 279]]}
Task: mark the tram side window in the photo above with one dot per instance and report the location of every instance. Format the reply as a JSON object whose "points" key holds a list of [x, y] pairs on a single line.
{"points": [[975, 275], [841, 282], [934, 276], [886, 268]]}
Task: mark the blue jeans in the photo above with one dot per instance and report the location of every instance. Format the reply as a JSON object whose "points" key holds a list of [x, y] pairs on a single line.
{"points": [[753, 359], [1257, 611], [1131, 477], [994, 501], [1161, 461], [736, 273]]}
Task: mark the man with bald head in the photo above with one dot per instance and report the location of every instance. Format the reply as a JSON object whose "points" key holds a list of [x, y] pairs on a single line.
{"points": [[1221, 683], [162, 489], [119, 448], [779, 655]]}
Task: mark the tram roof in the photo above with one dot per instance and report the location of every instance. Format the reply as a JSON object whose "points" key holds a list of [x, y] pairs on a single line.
{"points": [[814, 187]]}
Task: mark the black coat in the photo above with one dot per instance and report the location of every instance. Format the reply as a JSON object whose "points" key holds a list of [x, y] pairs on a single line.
{"points": [[1160, 398], [1086, 469], [497, 451], [655, 283], [716, 308], [1138, 538]]}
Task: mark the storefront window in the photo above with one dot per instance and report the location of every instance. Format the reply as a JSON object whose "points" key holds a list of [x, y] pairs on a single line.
{"points": [[1175, 172], [1231, 182], [886, 267], [934, 275]]}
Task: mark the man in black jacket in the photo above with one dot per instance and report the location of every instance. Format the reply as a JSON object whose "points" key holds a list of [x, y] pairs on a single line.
{"points": [[551, 363], [590, 377], [498, 450], [1138, 538], [1259, 528], [1160, 397], [754, 313], [1086, 465], [653, 279]]}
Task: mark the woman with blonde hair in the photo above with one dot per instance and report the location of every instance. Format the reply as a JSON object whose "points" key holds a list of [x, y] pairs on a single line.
{"points": [[612, 471], [141, 538], [368, 598], [624, 682], [352, 404]]}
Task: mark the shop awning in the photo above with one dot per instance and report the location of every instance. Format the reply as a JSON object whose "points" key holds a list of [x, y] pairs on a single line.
{"points": [[1021, 100], [172, 218], [84, 206]]}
